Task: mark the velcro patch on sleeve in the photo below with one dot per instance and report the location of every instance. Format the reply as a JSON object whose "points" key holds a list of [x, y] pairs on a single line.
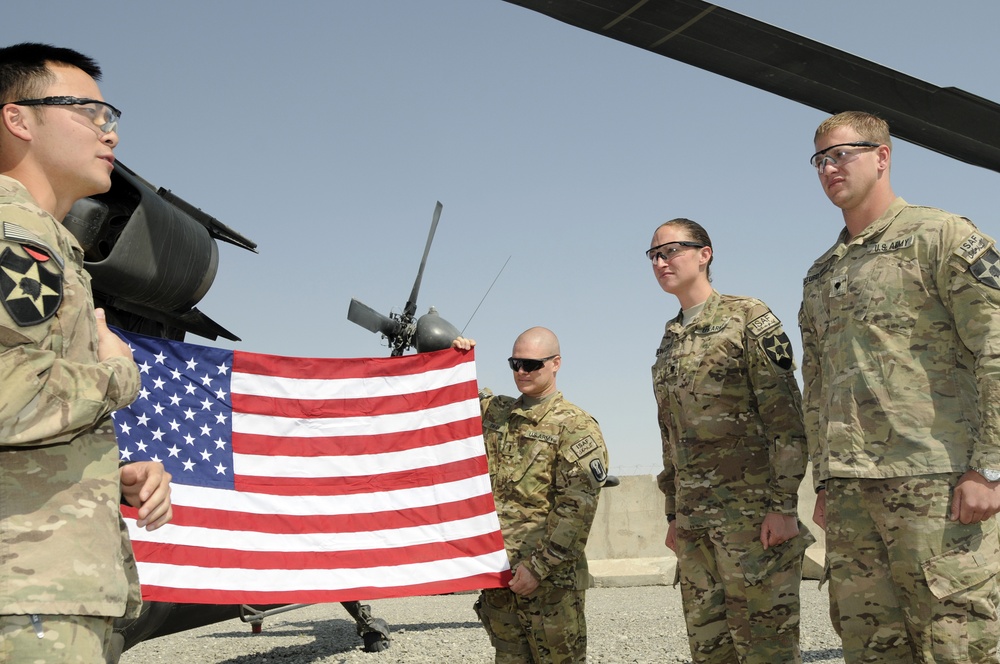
{"points": [[583, 447], [779, 350], [762, 324], [973, 248], [986, 270], [598, 470]]}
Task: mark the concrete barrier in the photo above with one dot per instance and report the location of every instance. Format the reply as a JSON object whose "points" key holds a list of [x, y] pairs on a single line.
{"points": [[626, 541]]}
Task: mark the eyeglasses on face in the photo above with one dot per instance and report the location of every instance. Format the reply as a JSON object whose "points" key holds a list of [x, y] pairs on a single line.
{"points": [[528, 365], [835, 155], [669, 250], [102, 115]]}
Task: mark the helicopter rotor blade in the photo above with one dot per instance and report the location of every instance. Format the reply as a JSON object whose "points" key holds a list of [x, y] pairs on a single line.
{"points": [[411, 304], [370, 319]]}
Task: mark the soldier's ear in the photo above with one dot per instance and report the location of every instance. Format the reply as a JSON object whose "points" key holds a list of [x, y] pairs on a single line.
{"points": [[15, 121]]}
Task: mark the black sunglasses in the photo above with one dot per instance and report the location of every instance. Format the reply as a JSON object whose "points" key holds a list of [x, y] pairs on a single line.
{"points": [[529, 365]]}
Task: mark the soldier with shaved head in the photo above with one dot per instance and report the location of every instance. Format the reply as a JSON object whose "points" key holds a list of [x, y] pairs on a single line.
{"points": [[547, 464]]}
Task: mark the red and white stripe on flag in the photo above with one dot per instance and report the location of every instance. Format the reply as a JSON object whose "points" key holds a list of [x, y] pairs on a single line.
{"points": [[312, 480]]}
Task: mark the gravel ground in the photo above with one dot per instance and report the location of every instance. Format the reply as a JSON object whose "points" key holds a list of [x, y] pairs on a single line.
{"points": [[638, 625]]}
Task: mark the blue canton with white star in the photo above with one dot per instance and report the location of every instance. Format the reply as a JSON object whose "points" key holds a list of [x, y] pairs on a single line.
{"points": [[183, 414]]}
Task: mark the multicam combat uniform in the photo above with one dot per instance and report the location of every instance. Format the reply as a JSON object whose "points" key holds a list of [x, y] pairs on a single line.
{"points": [[547, 465], [62, 547], [901, 341], [733, 451]]}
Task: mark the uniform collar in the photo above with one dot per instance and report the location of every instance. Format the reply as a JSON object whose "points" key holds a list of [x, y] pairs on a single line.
{"points": [[535, 412], [707, 313], [873, 230]]}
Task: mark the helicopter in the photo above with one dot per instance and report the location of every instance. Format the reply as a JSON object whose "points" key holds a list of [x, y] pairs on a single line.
{"points": [[152, 256], [947, 120], [403, 330]]}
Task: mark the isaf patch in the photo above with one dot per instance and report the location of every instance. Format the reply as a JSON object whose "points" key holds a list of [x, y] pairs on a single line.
{"points": [[30, 293], [973, 247], [583, 447], [986, 270], [779, 350], [762, 324]]}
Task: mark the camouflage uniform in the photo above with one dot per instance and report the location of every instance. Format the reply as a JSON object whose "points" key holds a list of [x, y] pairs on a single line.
{"points": [[547, 465], [901, 339], [733, 450], [63, 547]]}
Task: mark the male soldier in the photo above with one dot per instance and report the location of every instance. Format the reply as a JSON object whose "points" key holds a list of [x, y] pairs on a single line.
{"points": [[901, 339], [66, 566], [547, 464]]}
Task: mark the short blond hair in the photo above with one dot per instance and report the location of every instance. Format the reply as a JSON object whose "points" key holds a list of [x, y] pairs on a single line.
{"points": [[868, 126]]}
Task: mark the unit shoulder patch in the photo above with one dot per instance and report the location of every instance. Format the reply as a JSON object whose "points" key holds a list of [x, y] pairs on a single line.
{"points": [[986, 269], [30, 293], [778, 349], [598, 470]]}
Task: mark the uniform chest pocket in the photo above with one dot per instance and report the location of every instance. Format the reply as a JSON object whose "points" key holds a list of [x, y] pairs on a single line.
{"points": [[519, 457], [719, 362], [891, 285]]}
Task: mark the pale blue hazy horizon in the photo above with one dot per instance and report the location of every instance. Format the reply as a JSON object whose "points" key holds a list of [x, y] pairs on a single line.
{"points": [[326, 132]]}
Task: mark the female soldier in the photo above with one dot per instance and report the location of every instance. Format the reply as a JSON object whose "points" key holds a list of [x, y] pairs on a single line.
{"points": [[734, 453]]}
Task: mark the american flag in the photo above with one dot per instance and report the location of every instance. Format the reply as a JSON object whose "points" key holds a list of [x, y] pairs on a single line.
{"points": [[302, 480]]}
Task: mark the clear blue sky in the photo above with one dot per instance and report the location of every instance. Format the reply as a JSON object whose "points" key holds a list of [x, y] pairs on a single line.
{"points": [[326, 132]]}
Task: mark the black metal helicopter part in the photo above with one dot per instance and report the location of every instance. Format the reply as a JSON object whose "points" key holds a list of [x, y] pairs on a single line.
{"points": [[404, 330]]}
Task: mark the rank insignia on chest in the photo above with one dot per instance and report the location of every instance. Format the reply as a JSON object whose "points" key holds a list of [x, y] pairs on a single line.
{"points": [[838, 285], [31, 294]]}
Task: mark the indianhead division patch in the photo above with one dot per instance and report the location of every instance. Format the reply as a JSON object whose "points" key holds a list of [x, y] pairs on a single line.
{"points": [[986, 270], [779, 350], [31, 294]]}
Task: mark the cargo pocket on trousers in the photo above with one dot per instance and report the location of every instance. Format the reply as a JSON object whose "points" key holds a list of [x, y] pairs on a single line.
{"points": [[957, 578], [759, 563]]}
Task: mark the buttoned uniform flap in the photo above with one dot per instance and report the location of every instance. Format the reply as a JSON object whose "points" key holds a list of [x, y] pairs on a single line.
{"points": [[759, 563], [526, 459], [964, 566]]}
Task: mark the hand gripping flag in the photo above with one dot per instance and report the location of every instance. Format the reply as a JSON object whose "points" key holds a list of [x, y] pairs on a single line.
{"points": [[311, 480]]}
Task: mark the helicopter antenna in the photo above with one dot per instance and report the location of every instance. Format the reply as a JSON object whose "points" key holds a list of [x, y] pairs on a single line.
{"points": [[485, 294]]}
